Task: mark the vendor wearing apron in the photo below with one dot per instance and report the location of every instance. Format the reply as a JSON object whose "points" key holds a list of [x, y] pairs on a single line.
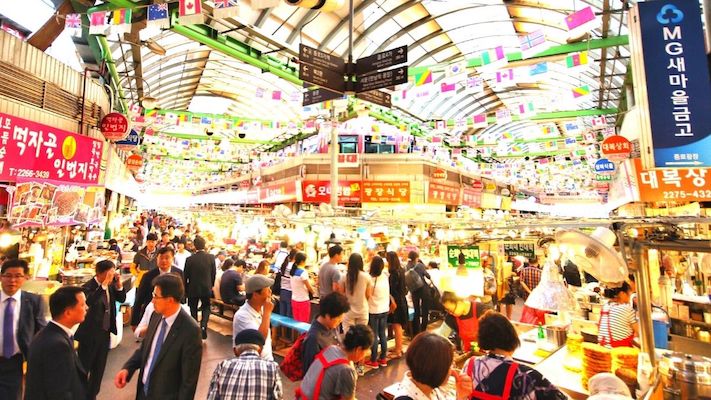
{"points": [[618, 323], [466, 314]]}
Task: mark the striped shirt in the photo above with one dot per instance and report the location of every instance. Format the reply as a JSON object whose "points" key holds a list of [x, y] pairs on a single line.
{"points": [[247, 377], [620, 321]]}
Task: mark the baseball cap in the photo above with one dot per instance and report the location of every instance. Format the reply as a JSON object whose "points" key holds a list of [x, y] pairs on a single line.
{"points": [[249, 336], [257, 282]]}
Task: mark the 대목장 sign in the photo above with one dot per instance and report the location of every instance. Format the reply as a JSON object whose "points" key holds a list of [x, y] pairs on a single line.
{"points": [[322, 77], [471, 198], [348, 160], [30, 150], [378, 80], [671, 75], [471, 255], [319, 95], [384, 59], [376, 97], [604, 166], [673, 184], [318, 58]]}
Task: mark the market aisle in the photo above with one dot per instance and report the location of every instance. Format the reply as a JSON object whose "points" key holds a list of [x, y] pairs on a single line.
{"points": [[218, 348]]}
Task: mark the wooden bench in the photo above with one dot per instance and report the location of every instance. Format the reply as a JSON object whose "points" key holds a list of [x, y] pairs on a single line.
{"points": [[218, 308]]}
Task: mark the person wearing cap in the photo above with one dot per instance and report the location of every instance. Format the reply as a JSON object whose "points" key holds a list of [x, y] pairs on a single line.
{"points": [[145, 259], [607, 386], [256, 312], [247, 376]]}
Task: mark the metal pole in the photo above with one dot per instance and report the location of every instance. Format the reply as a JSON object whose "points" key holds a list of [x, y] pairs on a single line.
{"points": [[334, 159], [644, 303], [350, 31]]}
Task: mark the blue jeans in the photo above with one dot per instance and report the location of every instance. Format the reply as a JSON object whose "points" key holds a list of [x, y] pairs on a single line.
{"points": [[285, 303], [379, 324]]}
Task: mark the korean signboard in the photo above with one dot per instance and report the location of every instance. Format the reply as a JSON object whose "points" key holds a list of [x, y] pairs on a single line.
{"points": [[386, 192], [673, 184], [471, 198], [56, 204], [114, 126], [671, 76], [438, 193], [280, 192], [29, 150], [616, 147], [471, 255], [320, 191], [527, 250]]}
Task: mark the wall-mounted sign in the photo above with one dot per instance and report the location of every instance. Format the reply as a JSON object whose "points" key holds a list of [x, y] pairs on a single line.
{"points": [[56, 204], [320, 191], [604, 166], [668, 55], [471, 255], [526, 249], [438, 193], [30, 150], [673, 184], [348, 160], [478, 185], [114, 126], [616, 147], [386, 192], [471, 198], [130, 142], [285, 192], [134, 162], [439, 173]]}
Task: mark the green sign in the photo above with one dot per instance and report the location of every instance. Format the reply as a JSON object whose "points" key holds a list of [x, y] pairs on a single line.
{"points": [[602, 178], [527, 250], [471, 254]]}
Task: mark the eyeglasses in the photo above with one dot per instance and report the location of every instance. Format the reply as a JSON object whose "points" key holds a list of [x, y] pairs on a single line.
{"points": [[13, 276]]}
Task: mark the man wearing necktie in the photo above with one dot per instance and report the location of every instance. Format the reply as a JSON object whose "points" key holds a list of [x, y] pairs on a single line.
{"points": [[22, 315], [94, 334], [54, 371], [169, 357]]}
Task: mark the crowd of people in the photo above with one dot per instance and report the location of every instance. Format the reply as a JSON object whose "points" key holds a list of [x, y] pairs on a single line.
{"points": [[176, 278]]}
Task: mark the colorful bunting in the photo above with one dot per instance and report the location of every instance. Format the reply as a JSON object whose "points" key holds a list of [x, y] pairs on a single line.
{"points": [[448, 89], [441, 126], [97, 23], [474, 85], [503, 116], [423, 78], [72, 23], [158, 16], [190, 12], [276, 95], [581, 91], [538, 70], [505, 77], [479, 121], [572, 128], [598, 122], [121, 21], [494, 58], [581, 21], [577, 59], [533, 43], [526, 110], [225, 8], [455, 70]]}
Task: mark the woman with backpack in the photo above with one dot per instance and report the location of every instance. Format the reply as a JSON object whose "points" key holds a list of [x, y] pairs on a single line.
{"points": [[398, 316], [415, 279]]}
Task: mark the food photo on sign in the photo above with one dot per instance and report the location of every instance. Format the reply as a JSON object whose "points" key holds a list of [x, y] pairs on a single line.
{"points": [[56, 204]]}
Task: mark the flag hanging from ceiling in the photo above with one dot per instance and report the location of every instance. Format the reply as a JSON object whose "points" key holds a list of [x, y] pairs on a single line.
{"points": [[97, 23], [577, 59], [505, 77], [526, 110], [572, 128], [503, 116], [455, 70], [190, 12], [581, 21], [494, 58], [259, 93], [121, 21], [538, 70], [158, 16], [598, 122], [551, 145], [479, 121], [581, 92], [72, 23], [474, 85], [533, 43], [507, 136], [135, 108], [548, 130], [295, 97], [276, 95], [460, 124], [423, 78], [225, 8], [441, 126], [570, 142], [448, 89]]}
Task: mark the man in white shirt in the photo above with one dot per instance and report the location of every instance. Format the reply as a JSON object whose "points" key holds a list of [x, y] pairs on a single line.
{"points": [[281, 254], [169, 358], [257, 311]]}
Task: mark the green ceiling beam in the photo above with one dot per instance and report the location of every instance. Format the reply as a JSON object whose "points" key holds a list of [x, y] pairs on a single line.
{"points": [[539, 154], [234, 119], [611, 41], [236, 49], [558, 115], [193, 136], [171, 157], [108, 58]]}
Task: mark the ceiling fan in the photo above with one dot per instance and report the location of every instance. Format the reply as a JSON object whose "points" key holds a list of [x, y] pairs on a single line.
{"points": [[594, 253]]}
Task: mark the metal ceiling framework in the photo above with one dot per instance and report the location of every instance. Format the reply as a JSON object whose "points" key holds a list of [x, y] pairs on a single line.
{"points": [[233, 57]]}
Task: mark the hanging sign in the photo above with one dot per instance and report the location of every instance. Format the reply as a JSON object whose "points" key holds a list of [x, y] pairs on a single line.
{"points": [[319, 95], [134, 162], [379, 80], [318, 58], [478, 185], [130, 142], [114, 126], [673, 184], [471, 198], [348, 160], [30, 150], [280, 192], [604, 166], [376, 97], [438, 193], [320, 191], [471, 256], [527, 250], [384, 59], [668, 55], [616, 147], [603, 178], [322, 77], [439, 173], [386, 192]]}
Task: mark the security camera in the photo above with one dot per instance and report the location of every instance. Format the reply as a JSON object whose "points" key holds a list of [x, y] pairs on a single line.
{"points": [[241, 135], [209, 133]]}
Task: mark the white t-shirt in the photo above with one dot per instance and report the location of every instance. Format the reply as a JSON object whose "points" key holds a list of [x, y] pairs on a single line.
{"points": [[357, 300], [299, 292], [180, 259], [380, 300], [249, 318], [286, 278]]}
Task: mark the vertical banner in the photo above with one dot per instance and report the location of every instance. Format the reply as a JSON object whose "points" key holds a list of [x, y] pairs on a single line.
{"points": [[672, 86]]}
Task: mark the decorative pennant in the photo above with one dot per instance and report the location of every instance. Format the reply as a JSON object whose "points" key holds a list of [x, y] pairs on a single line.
{"points": [[581, 21], [598, 122], [72, 23], [460, 124], [503, 115], [121, 21], [455, 70], [225, 8], [423, 78], [441, 126], [135, 108], [494, 58], [158, 16], [538, 70], [295, 97], [448, 89], [479, 121], [533, 43], [190, 12], [526, 110], [259, 93], [570, 142], [505, 78], [474, 85], [577, 59], [276, 95], [581, 92], [97, 23], [572, 128]]}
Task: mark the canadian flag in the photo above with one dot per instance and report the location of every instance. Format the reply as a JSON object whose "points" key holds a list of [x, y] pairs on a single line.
{"points": [[190, 12], [599, 122]]}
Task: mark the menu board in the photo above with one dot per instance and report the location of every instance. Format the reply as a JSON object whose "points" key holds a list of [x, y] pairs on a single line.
{"points": [[56, 204]]}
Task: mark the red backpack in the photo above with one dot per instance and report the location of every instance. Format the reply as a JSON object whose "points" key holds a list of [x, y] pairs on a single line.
{"points": [[324, 366], [291, 365]]}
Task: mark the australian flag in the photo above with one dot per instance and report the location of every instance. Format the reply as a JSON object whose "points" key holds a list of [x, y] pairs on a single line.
{"points": [[158, 16]]}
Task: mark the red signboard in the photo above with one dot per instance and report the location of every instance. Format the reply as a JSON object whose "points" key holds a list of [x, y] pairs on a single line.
{"points": [[616, 147], [471, 198], [673, 184], [134, 162], [386, 192], [114, 126], [439, 173], [438, 193], [320, 191], [30, 150], [348, 160], [280, 192], [478, 185]]}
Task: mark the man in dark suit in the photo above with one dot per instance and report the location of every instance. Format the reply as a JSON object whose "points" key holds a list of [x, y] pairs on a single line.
{"points": [[169, 357], [94, 334], [22, 315], [145, 289], [199, 276], [54, 371]]}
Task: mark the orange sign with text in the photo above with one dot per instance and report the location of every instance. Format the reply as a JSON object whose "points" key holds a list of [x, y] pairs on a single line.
{"points": [[673, 184], [386, 192]]}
